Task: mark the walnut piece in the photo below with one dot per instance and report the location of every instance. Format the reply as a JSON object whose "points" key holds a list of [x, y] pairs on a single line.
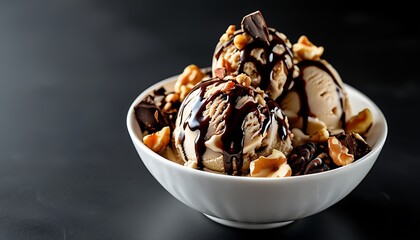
{"points": [[306, 50], [240, 41], [338, 152], [157, 141], [228, 87], [274, 166], [191, 75], [320, 136], [243, 79], [360, 123], [228, 34], [355, 143], [170, 99]]}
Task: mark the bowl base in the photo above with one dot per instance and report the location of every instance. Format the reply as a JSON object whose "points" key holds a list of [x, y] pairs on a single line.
{"points": [[248, 225]]}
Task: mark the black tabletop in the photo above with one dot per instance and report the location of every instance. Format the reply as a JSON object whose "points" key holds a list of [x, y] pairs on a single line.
{"points": [[69, 71]]}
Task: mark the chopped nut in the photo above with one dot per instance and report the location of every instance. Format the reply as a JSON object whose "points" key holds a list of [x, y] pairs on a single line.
{"points": [[157, 141], [187, 79], [228, 86], [259, 55], [220, 73], [355, 143], [306, 50], [296, 71], [320, 136], [228, 34], [240, 41], [300, 137], [314, 125], [279, 49], [172, 97], [274, 165], [167, 106], [244, 80], [360, 123], [260, 99], [224, 63], [338, 152]]}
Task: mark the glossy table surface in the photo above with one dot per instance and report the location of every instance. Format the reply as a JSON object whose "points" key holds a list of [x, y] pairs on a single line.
{"points": [[69, 70]]}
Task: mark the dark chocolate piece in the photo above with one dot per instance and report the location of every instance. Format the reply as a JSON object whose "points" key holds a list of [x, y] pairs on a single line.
{"points": [[355, 144], [300, 157], [254, 24], [264, 73], [149, 116]]}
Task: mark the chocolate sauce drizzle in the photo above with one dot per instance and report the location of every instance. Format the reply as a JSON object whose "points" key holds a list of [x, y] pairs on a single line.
{"points": [[233, 134], [299, 84], [266, 71]]}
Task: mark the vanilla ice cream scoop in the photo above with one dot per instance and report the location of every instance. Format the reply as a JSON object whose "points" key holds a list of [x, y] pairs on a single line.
{"points": [[224, 124], [262, 53], [316, 98]]}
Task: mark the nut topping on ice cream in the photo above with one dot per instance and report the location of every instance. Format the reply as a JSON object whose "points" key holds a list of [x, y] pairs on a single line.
{"points": [[274, 165], [269, 109], [223, 125], [306, 50], [262, 53], [191, 75]]}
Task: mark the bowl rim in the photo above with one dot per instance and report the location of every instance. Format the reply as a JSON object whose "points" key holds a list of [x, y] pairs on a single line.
{"points": [[130, 121]]}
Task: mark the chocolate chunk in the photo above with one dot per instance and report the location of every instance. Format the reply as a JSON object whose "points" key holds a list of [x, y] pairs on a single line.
{"points": [[362, 147], [149, 116], [254, 24], [300, 157], [355, 143], [152, 116], [316, 165]]}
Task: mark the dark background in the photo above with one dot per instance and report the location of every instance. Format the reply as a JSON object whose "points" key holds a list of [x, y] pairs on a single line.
{"points": [[69, 71]]}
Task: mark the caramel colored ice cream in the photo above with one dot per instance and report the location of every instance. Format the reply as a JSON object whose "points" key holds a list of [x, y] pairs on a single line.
{"points": [[267, 109], [315, 101], [262, 53], [317, 98], [224, 124]]}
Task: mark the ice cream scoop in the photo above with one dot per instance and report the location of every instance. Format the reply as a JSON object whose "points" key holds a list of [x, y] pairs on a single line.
{"points": [[316, 99], [224, 123], [262, 53]]}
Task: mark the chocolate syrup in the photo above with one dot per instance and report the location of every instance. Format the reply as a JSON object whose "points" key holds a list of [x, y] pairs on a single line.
{"points": [[299, 84], [266, 71], [233, 134]]}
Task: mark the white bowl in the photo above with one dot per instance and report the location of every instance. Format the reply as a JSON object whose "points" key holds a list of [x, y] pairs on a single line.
{"points": [[258, 203]]}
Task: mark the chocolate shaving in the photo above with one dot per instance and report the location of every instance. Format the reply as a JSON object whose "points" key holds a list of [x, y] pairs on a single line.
{"points": [[254, 24]]}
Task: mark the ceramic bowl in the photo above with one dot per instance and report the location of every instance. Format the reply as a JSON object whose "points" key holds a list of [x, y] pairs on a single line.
{"points": [[259, 203]]}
